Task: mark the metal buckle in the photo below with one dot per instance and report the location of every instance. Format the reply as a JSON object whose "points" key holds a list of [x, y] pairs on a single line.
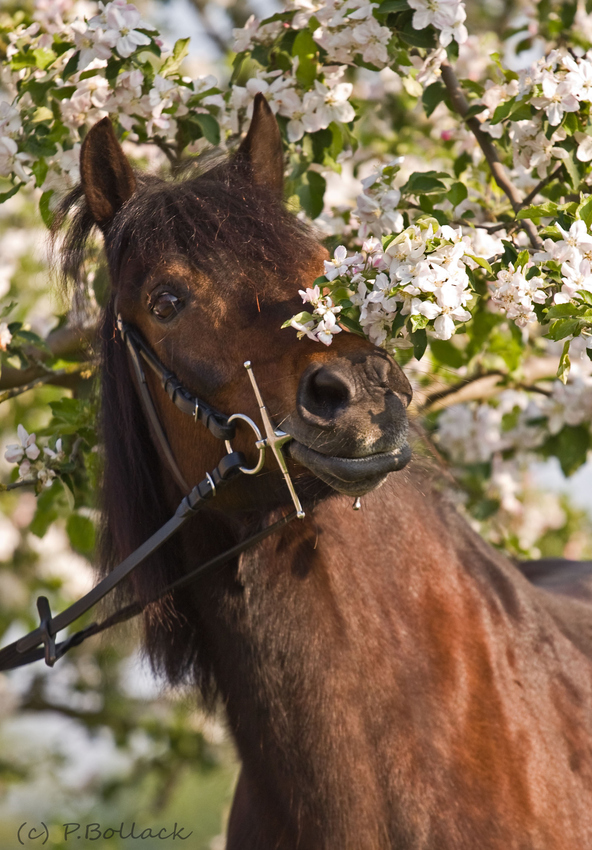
{"points": [[45, 624], [274, 439]]}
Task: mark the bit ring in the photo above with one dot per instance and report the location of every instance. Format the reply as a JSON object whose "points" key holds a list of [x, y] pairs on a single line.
{"points": [[260, 444]]}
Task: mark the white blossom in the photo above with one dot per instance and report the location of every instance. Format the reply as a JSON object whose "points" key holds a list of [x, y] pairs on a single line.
{"points": [[28, 448], [92, 44], [569, 404], [5, 336], [323, 326], [584, 152], [347, 29], [56, 455], [340, 263], [11, 161], [120, 20], [421, 273], [558, 97], [253, 33], [376, 207], [46, 476], [513, 293], [447, 16], [10, 119]]}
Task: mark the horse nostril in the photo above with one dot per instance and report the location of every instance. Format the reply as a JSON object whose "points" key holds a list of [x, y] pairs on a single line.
{"points": [[323, 393]]}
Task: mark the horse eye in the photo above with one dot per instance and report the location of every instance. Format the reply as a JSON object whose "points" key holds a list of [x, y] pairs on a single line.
{"points": [[165, 305]]}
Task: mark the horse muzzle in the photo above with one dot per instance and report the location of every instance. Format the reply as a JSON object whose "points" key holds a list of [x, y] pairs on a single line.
{"points": [[350, 424], [354, 476]]}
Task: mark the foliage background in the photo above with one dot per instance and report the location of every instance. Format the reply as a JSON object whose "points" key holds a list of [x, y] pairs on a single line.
{"points": [[97, 739]]}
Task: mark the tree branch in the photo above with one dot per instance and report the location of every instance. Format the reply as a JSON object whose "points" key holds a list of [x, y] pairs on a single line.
{"points": [[457, 389], [461, 106], [48, 378], [63, 343], [18, 484], [544, 182], [486, 385]]}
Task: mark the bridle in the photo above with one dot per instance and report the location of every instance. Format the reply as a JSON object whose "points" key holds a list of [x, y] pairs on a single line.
{"points": [[40, 643]]}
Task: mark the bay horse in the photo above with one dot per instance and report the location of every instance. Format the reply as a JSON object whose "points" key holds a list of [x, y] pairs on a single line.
{"points": [[390, 681]]}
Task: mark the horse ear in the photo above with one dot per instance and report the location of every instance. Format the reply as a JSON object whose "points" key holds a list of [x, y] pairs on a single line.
{"points": [[262, 148], [105, 174]]}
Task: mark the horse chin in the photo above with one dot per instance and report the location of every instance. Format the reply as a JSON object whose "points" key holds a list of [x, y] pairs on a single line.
{"points": [[352, 476]]}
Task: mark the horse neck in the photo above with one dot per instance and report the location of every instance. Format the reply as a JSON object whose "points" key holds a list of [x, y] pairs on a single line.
{"points": [[352, 650]]}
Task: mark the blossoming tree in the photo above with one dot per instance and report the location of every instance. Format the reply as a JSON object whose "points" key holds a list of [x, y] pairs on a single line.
{"points": [[449, 171]]}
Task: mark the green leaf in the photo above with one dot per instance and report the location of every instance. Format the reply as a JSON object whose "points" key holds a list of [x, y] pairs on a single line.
{"points": [[417, 38], [475, 109], [4, 196], [418, 322], [457, 194], [64, 93], [508, 346], [433, 95], [279, 16], [538, 210], [568, 13], [71, 65], [42, 115], [523, 45], [584, 297], [38, 91], [40, 169], [485, 508], [420, 343], [46, 510], [180, 51], [301, 318], [70, 501], [44, 57], [570, 123], [564, 364], [503, 110], [338, 139], [209, 126], [446, 353], [522, 112], [563, 328], [510, 254], [352, 325], [512, 110], [392, 6], [46, 213], [584, 211], [481, 261], [321, 140], [71, 411], [31, 338], [570, 446], [39, 145], [424, 183], [558, 311], [311, 193], [306, 48], [461, 163], [6, 309], [81, 533], [572, 170]]}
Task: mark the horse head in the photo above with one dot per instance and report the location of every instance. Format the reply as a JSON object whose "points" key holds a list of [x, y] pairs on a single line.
{"points": [[207, 270]]}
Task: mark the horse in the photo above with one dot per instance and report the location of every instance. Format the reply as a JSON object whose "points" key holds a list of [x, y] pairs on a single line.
{"points": [[390, 680]]}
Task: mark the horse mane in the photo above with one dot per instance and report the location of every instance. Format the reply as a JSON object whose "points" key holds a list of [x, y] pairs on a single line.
{"points": [[234, 231]]}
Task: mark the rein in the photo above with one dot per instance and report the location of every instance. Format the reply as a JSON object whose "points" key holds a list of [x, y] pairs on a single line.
{"points": [[40, 643]]}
